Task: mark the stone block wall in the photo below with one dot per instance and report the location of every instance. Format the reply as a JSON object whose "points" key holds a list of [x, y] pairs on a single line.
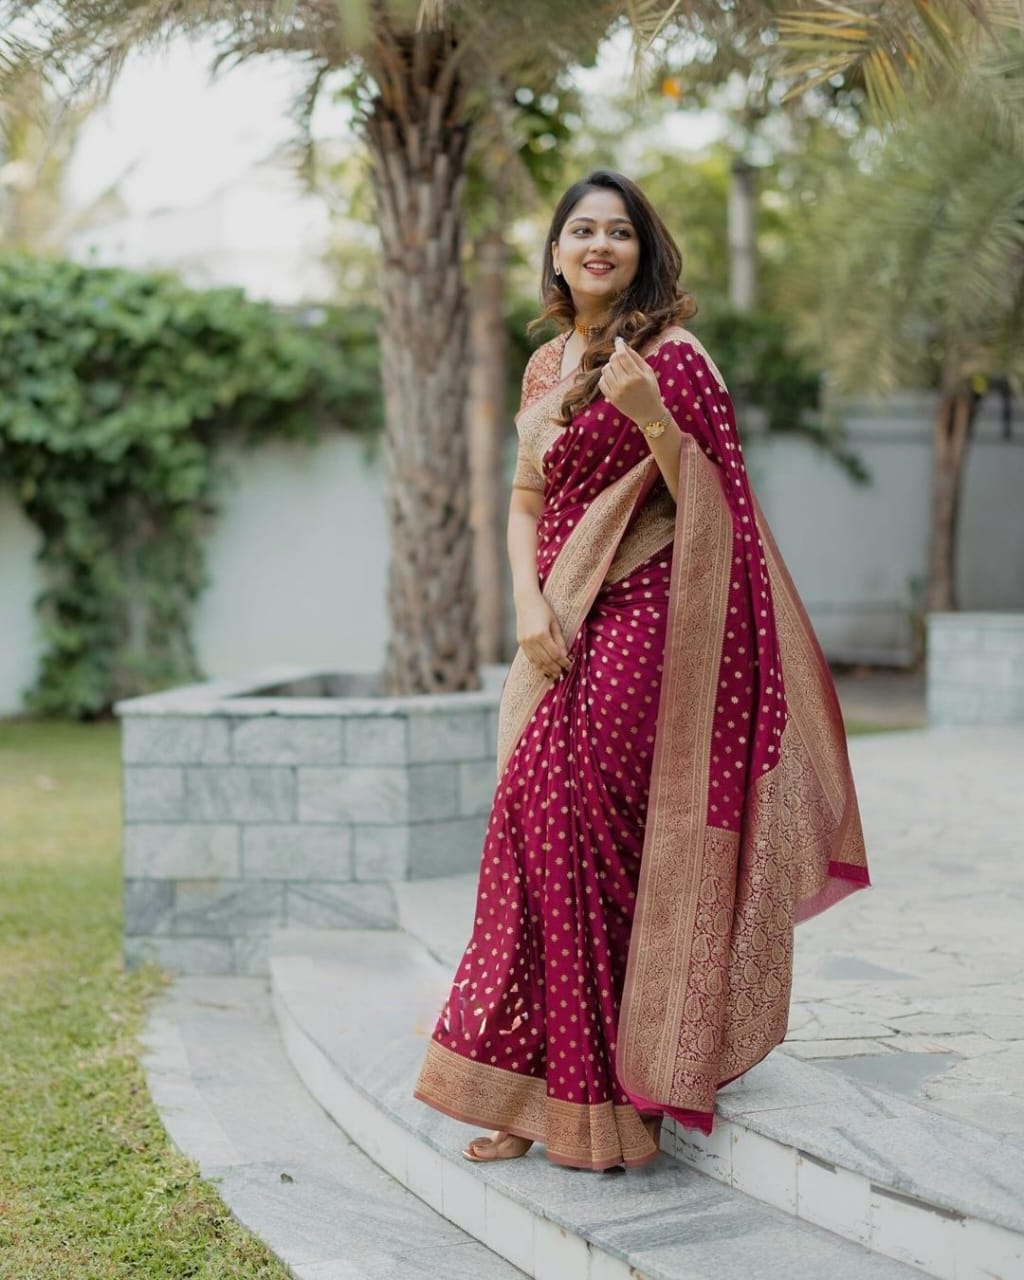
{"points": [[975, 668], [244, 814]]}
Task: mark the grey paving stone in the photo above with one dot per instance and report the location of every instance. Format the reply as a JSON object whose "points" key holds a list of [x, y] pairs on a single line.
{"points": [[477, 785], [257, 793], [439, 915], [433, 791], [791, 1254], [147, 904], [333, 1269], [445, 848], [365, 794], [339, 1208], [847, 967], [942, 813], [250, 954], [174, 740], [376, 739], [381, 852], [297, 851], [903, 1073], [153, 793], [335, 906], [170, 850], [181, 955], [646, 1216], [450, 736], [224, 908], [279, 740]]}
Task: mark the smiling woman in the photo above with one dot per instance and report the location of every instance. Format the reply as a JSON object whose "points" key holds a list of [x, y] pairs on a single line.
{"points": [[674, 792], [597, 253]]}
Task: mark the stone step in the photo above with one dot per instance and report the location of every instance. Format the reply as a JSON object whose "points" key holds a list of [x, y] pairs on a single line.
{"points": [[230, 1100], [916, 1184], [355, 1010]]}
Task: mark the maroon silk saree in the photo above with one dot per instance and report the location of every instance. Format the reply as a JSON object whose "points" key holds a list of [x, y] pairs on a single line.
{"points": [[666, 812]]}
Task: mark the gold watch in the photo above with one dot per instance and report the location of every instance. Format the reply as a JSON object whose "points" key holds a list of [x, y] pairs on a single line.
{"points": [[654, 429]]}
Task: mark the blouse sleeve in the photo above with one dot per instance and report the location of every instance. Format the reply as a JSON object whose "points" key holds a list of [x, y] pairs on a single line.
{"points": [[527, 476]]}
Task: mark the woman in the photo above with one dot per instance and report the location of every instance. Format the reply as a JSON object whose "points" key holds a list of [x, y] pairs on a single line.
{"points": [[674, 791]]}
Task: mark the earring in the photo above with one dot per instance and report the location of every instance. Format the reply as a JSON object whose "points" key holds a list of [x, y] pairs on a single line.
{"points": [[558, 269]]}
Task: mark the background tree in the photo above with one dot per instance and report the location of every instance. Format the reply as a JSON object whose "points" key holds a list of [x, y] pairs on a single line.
{"points": [[923, 283], [418, 88], [419, 73], [37, 138], [915, 261]]}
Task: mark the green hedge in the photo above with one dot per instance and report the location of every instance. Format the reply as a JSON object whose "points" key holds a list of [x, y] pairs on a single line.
{"points": [[115, 388]]}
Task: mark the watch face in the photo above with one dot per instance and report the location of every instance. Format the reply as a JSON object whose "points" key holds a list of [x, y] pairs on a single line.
{"points": [[654, 429]]}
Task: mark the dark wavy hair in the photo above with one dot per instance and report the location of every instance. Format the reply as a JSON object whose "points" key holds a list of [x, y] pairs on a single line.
{"points": [[654, 300]]}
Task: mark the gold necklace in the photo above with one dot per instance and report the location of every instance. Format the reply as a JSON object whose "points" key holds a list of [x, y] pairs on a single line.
{"points": [[587, 330]]}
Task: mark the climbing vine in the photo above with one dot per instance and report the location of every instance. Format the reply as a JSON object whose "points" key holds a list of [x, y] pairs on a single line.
{"points": [[116, 390]]}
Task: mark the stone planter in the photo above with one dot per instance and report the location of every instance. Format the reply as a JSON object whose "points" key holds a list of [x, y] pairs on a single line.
{"points": [[975, 668], [294, 798]]}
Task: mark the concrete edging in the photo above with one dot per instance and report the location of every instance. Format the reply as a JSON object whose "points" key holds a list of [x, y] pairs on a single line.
{"points": [[548, 1221], [246, 813], [975, 672]]}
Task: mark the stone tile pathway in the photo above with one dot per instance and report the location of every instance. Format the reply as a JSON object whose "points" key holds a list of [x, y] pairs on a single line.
{"points": [[916, 986], [230, 1100]]}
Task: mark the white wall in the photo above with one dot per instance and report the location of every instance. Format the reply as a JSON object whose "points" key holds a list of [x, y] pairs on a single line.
{"points": [[263, 232], [297, 568], [298, 560], [19, 582], [859, 554]]}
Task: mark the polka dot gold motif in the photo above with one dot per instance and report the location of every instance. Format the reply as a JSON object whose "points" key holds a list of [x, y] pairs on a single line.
{"points": [[597, 840]]}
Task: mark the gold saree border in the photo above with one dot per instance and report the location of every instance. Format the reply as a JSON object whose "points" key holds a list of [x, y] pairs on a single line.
{"points": [[653, 530], [709, 974], [814, 711], [585, 1136], [544, 388], [570, 589], [669, 1030]]}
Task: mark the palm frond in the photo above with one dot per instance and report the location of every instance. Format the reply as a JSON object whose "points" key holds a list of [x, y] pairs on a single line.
{"points": [[889, 45], [923, 253]]}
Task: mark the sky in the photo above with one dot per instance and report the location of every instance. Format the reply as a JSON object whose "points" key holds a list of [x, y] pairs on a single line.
{"points": [[170, 135]]}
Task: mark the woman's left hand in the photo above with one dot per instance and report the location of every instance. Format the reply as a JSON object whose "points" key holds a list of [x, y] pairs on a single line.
{"points": [[629, 383]]}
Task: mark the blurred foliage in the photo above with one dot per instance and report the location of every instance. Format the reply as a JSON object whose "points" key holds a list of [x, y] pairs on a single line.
{"points": [[760, 366], [116, 391], [919, 252], [766, 371]]}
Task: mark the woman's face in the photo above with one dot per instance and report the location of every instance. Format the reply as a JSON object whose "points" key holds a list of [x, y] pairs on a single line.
{"points": [[598, 250]]}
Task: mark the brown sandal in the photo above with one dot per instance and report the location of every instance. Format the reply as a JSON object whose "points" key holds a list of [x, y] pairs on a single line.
{"points": [[653, 1126], [503, 1146]]}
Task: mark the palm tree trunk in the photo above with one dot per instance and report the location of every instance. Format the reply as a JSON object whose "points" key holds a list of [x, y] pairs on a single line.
{"points": [[486, 439], [954, 418], [742, 215], [417, 133]]}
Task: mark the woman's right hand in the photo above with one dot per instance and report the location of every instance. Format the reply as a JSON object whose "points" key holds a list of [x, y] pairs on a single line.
{"points": [[540, 636]]}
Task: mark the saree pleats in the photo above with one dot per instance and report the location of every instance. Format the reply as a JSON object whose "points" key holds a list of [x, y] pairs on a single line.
{"points": [[537, 992], [664, 813]]}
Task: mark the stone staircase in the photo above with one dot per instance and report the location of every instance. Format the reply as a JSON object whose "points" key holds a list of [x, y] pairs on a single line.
{"points": [[298, 1100], [809, 1174]]}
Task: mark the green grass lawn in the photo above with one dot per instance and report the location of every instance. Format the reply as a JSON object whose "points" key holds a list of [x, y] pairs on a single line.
{"points": [[90, 1186]]}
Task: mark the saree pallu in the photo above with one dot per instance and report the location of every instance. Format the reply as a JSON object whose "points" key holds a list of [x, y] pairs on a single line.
{"points": [[665, 812]]}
